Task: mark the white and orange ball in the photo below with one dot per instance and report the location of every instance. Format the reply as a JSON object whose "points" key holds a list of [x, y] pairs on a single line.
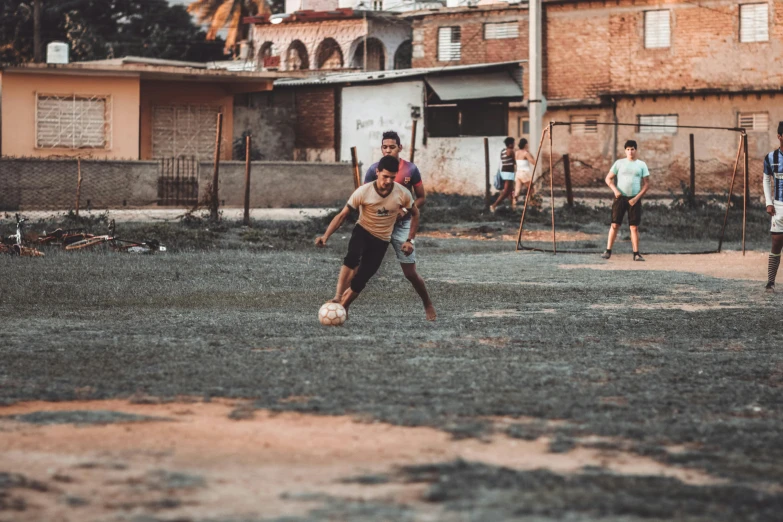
{"points": [[332, 314]]}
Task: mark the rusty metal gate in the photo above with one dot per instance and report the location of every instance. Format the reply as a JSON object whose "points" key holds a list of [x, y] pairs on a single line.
{"points": [[178, 181]]}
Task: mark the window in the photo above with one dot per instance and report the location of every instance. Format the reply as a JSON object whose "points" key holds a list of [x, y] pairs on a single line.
{"points": [[474, 118], [523, 126], [72, 122], [584, 124], [753, 121], [754, 23], [449, 46], [657, 33], [658, 124], [501, 31], [377, 5]]}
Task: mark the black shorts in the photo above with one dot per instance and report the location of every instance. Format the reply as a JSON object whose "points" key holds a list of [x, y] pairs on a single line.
{"points": [[621, 206], [366, 252]]}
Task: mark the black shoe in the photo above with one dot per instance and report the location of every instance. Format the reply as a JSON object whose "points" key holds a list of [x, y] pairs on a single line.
{"points": [[638, 257], [606, 255], [770, 288]]}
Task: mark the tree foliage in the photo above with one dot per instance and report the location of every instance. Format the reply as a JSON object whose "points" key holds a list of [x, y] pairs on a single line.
{"points": [[98, 29], [227, 14]]}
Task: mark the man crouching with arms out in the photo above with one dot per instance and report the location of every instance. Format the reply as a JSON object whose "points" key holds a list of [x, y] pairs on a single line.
{"points": [[378, 204]]}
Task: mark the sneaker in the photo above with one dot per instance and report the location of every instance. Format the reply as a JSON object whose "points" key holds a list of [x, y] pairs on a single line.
{"points": [[606, 255], [638, 257], [770, 288]]}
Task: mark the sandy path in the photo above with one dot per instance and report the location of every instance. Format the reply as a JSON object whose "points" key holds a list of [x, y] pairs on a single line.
{"points": [[259, 466], [727, 265]]}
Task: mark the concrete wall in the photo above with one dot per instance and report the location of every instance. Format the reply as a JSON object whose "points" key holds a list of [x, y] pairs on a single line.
{"points": [[30, 184], [271, 118], [282, 184], [19, 112]]}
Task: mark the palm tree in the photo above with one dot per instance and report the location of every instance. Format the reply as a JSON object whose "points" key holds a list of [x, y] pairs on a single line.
{"points": [[227, 13]]}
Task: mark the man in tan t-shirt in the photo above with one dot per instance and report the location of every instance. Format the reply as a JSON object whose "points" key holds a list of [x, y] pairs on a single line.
{"points": [[378, 204]]}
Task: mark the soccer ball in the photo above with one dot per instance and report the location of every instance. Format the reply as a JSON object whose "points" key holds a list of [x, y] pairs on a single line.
{"points": [[332, 314]]}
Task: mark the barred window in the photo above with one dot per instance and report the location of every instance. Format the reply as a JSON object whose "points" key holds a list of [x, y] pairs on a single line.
{"points": [[73, 122], [754, 23], [658, 124], [657, 31], [753, 121], [449, 44], [584, 124], [501, 30]]}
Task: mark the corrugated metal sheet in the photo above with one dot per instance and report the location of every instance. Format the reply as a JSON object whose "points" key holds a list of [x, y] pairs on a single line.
{"points": [[474, 86]]}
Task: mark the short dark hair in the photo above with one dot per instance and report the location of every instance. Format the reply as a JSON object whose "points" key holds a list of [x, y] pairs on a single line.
{"points": [[630, 143], [522, 143], [780, 127], [389, 163], [391, 135], [509, 142]]}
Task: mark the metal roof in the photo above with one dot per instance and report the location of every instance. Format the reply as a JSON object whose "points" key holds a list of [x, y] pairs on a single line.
{"points": [[472, 87], [389, 76]]}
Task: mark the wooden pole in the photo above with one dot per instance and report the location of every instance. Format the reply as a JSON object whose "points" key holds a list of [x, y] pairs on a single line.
{"points": [[78, 184], [567, 174], [246, 218], [552, 190], [693, 172], [357, 180], [530, 186], [413, 140], [487, 195], [747, 190], [731, 191], [213, 211]]}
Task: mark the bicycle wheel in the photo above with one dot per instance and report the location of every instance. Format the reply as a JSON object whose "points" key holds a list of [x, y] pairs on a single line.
{"points": [[84, 243]]}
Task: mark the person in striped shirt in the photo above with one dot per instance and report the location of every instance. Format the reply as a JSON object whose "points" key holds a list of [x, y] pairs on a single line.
{"points": [[507, 173], [773, 196]]}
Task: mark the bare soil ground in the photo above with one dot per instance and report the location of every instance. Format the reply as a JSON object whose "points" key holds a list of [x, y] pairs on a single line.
{"points": [[199, 386]]}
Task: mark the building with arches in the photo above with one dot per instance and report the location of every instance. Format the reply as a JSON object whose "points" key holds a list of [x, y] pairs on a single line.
{"points": [[339, 40]]}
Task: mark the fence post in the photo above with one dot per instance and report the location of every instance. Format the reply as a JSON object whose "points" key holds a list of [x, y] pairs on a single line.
{"points": [[78, 184], [213, 212], [413, 140], [693, 173], [567, 174], [747, 191], [356, 175], [486, 172], [246, 219]]}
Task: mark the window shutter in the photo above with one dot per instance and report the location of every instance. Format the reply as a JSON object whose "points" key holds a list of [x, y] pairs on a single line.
{"points": [[501, 31], [755, 121], [662, 124], [754, 23], [71, 122], [584, 124], [657, 32], [449, 45]]}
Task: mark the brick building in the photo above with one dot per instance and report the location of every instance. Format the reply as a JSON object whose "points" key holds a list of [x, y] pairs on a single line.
{"points": [[631, 61]]}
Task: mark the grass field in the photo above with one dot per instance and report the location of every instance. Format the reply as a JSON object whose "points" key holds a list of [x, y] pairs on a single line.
{"points": [[198, 385]]}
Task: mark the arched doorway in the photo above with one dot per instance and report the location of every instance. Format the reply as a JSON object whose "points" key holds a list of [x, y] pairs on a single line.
{"points": [[329, 55], [265, 52], [296, 57], [376, 55], [404, 55]]}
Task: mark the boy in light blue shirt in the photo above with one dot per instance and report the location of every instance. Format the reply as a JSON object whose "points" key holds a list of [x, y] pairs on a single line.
{"points": [[629, 180]]}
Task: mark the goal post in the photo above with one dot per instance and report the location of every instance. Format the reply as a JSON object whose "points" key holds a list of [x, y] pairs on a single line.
{"points": [[685, 186]]}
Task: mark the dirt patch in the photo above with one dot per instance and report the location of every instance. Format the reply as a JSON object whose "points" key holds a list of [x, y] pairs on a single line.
{"points": [[208, 465], [727, 265]]}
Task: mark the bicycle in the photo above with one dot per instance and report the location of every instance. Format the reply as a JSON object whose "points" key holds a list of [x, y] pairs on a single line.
{"points": [[13, 244], [64, 237], [147, 246]]}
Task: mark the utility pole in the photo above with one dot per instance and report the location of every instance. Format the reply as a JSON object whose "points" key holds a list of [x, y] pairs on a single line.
{"points": [[37, 48], [366, 30], [534, 95]]}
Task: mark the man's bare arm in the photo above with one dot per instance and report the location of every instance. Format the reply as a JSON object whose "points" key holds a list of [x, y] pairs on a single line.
{"points": [[421, 195], [645, 188], [407, 248], [610, 181], [338, 220]]}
